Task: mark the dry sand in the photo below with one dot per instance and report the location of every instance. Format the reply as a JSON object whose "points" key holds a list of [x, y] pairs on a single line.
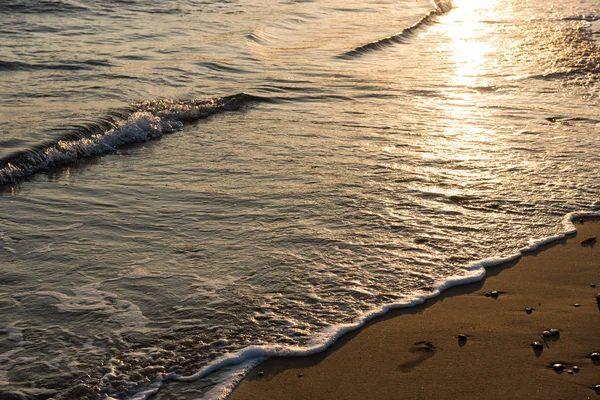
{"points": [[415, 354]]}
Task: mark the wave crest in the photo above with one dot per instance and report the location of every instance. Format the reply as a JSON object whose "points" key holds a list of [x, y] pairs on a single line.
{"points": [[141, 122], [441, 7]]}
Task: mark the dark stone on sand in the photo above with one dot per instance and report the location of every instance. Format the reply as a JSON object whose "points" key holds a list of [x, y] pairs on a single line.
{"points": [[537, 346], [300, 375], [462, 338], [575, 368], [577, 305], [570, 371], [487, 294], [597, 388], [592, 285], [529, 310], [595, 356], [588, 241], [494, 294], [598, 298], [260, 373], [558, 367], [550, 332]]}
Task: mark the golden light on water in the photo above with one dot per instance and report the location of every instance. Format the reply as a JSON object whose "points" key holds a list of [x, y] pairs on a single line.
{"points": [[470, 50], [470, 58]]}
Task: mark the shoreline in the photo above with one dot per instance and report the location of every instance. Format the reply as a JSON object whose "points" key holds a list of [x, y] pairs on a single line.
{"points": [[394, 354]]}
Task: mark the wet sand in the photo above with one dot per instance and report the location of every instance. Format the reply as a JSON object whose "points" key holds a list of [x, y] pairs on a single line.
{"points": [[416, 354]]}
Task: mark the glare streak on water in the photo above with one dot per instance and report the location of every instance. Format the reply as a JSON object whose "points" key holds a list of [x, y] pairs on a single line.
{"points": [[339, 186]]}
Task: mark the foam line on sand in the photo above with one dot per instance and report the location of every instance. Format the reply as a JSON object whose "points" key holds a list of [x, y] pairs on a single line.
{"points": [[416, 353]]}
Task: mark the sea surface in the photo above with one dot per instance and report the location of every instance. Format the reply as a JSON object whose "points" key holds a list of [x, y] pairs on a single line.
{"points": [[187, 187]]}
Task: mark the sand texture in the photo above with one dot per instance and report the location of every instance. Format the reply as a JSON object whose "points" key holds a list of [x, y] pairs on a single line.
{"points": [[415, 353]]}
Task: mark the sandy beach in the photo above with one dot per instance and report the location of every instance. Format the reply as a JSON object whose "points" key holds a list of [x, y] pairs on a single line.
{"points": [[416, 353]]}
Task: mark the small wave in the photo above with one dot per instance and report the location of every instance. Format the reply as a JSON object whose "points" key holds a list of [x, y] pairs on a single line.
{"points": [[571, 73], [440, 8], [38, 7], [255, 37], [566, 120], [587, 18], [66, 66], [141, 122], [221, 67]]}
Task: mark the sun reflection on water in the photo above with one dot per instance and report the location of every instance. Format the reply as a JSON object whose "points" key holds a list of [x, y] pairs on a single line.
{"points": [[471, 60], [470, 50]]}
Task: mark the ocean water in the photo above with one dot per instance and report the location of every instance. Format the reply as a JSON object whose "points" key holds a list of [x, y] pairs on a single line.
{"points": [[190, 186]]}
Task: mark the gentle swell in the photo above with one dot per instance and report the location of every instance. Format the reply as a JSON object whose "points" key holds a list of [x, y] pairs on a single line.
{"points": [[38, 7], [67, 66], [588, 18], [441, 8], [139, 123]]}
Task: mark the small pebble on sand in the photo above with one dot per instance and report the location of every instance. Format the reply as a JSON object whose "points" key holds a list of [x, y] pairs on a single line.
{"points": [[577, 305], [529, 310], [575, 368], [260, 373], [537, 346], [550, 332], [300, 375], [588, 241], [558, 367], [595, 356]]}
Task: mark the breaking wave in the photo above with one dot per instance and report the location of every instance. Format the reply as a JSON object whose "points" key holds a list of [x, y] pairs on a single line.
{"points": [[139, 123]]}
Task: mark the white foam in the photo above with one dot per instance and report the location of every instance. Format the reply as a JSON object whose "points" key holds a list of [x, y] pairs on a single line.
{"points": [[249, 357], [143, 394], [90, 298], [139, 127], [221, 390]]}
